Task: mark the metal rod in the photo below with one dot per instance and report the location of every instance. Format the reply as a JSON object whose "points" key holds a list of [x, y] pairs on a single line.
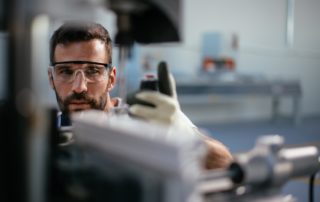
{"points": [[215, 181]]}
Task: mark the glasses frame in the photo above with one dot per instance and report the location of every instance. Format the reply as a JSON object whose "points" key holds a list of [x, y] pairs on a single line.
{"points": [[106, 65]]}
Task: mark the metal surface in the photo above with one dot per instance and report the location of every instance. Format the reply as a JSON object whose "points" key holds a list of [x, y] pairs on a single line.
{"points": [[144, 153], [259, 174], [274, 89]]}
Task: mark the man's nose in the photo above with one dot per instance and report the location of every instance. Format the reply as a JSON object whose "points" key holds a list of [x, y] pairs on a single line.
{"points": [[79, 84]]}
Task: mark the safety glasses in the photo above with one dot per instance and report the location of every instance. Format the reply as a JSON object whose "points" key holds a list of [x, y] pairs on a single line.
{"points": [[93, 72]]}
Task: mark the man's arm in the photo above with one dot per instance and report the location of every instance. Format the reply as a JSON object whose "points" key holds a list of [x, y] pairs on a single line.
{"points": [[218, 155]]}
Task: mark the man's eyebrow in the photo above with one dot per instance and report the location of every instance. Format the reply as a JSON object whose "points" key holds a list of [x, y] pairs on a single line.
{"points": [[107, 65]]}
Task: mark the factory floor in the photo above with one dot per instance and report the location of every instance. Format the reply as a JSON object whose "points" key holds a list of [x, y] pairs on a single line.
{"points": [[241, 137]]}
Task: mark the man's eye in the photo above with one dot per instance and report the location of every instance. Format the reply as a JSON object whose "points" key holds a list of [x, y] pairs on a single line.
{"points": [[93, 71], [65, 71]]}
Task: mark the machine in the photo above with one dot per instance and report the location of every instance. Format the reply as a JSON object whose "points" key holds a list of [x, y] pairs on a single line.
{"points": [[111, 160]]}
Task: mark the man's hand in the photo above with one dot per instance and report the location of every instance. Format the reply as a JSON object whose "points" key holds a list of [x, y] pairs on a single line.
{"points": [[167, 112]]}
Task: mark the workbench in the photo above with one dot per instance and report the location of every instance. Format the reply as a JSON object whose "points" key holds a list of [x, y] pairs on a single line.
{"points": [[276, 89]]}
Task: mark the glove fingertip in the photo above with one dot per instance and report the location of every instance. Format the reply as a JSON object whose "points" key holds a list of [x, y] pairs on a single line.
{"points": [[133, 108]]}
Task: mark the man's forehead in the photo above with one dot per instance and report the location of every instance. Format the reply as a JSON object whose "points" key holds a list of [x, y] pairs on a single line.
{"points": [[92, 50], [78, 43]]}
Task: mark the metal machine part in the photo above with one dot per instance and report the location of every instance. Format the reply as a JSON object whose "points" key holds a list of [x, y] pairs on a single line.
{"points": [[164, 167], [142, 161], [259, 174], [147, 21], [269, 164]]}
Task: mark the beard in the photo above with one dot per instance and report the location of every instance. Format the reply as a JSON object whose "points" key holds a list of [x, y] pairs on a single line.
{"points": [[94, 104]]}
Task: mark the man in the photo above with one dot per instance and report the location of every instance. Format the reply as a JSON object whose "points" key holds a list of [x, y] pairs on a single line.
{"points": [[82, 75]]}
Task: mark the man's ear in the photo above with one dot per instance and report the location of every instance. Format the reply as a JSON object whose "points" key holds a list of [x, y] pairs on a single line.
{"points": [[112, 78], [50, 78]]}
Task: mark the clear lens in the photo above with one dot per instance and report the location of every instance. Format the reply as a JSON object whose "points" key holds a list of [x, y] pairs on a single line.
{"points": [[67, 73]]}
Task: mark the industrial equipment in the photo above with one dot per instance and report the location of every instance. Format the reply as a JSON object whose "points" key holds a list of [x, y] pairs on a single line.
{"points": [[163, 167]]}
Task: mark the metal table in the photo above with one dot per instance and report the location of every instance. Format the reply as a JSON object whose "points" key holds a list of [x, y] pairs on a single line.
{"points": [[275, 89]]}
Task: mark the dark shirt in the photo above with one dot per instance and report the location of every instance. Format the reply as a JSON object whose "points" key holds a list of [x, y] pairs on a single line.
{"points": [[63, 120]]}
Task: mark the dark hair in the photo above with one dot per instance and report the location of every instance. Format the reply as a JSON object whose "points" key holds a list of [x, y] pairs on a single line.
{"points": [[77, 32]]}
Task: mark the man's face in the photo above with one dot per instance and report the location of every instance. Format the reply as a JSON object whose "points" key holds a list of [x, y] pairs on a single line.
{"points": [[81, 92]]}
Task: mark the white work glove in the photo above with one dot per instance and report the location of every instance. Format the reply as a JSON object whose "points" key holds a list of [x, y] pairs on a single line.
{"points": [[211, 153], [166, 111]]}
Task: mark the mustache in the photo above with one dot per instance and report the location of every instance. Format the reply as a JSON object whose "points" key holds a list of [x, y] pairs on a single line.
{"points": [[83, 96]]}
